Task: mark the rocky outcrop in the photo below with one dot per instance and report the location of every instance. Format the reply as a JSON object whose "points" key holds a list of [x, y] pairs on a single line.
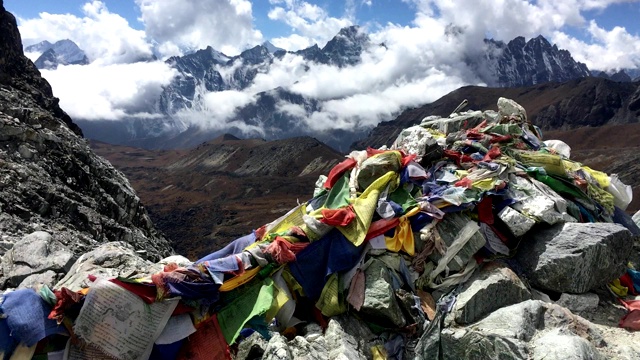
{"points": [[492, 288], [379, 299], [575, 257], [344, 338], [528, 330], [35, 254], [51, 180]]}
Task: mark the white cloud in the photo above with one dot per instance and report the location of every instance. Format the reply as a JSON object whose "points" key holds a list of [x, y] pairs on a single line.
{"points": [[307, 21], [611, 50], [368, 109], [218, 112], [33, 56], [104, 36], [506, 19], [293, 42], [416, 66], [419, 63], [226, 25], [109, 92]]}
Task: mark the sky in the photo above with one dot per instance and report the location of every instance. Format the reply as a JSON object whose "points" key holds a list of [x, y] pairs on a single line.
{"points": [[421, 61]]}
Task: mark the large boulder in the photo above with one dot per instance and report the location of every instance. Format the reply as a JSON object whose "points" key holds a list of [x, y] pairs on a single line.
{"points": [[277, 349], [35, 254], [556, 345], [108, 260], [380, 304], [493, 287], [345, 338], [575, 257], [522, 331]]}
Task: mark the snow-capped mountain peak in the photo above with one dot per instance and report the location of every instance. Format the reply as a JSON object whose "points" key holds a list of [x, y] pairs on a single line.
{"points": [[63, 52], [272, 48], [277, 112]]}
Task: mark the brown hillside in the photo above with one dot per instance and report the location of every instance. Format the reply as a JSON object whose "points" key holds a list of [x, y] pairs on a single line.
{"points": [[205, 197]]}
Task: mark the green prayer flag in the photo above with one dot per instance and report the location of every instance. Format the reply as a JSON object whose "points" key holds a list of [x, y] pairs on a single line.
{"points": [[256, 301]]}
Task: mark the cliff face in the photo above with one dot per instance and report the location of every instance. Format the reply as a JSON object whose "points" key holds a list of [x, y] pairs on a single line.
{"points": [[17, 71], [50, 180]]}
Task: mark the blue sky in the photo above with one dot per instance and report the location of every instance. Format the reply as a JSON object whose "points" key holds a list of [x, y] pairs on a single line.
{"points": [[421, 61], [373, 14], [380, 11]]}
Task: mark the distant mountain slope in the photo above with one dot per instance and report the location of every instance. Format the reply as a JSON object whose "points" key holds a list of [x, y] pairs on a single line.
{"points": [[205, 197], [582, 102], [185, 108], [524, 63], [63, 52]]}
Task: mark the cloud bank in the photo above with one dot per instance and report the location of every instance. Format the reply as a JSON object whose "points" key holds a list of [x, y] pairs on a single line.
{"points": [[418, 63]]}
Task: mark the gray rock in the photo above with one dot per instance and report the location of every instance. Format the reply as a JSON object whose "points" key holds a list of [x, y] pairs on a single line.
{"points": [[579, 302], [462, 344], [628, 352], [555, 345], [494, 287], [575, 257], [108, 260], [48, 278], [379, 299], [5, 246], [454, 123], [36, 253], [510, 332], [251, 348], [515, 221], [508, 107], [312, 329], [309, 348], [342, 344], [636, 218], [539, 295], [448, 228], [277, 349], [356, 327]]}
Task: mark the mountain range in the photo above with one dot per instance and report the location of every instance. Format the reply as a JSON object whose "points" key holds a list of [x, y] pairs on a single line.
{"points": [[63, 52], [499, 64]]}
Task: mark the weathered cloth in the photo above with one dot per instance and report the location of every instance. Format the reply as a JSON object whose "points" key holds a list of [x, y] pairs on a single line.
{"points": [[314, 264]]}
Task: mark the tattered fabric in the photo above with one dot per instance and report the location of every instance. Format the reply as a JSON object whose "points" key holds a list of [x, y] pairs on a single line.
{"points": [[26, 317], [314, 264]]}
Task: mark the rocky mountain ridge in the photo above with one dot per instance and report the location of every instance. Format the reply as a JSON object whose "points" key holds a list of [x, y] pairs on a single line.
{"points": [[51, 180], [524, 63], [62, 52], [516, 63]]}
